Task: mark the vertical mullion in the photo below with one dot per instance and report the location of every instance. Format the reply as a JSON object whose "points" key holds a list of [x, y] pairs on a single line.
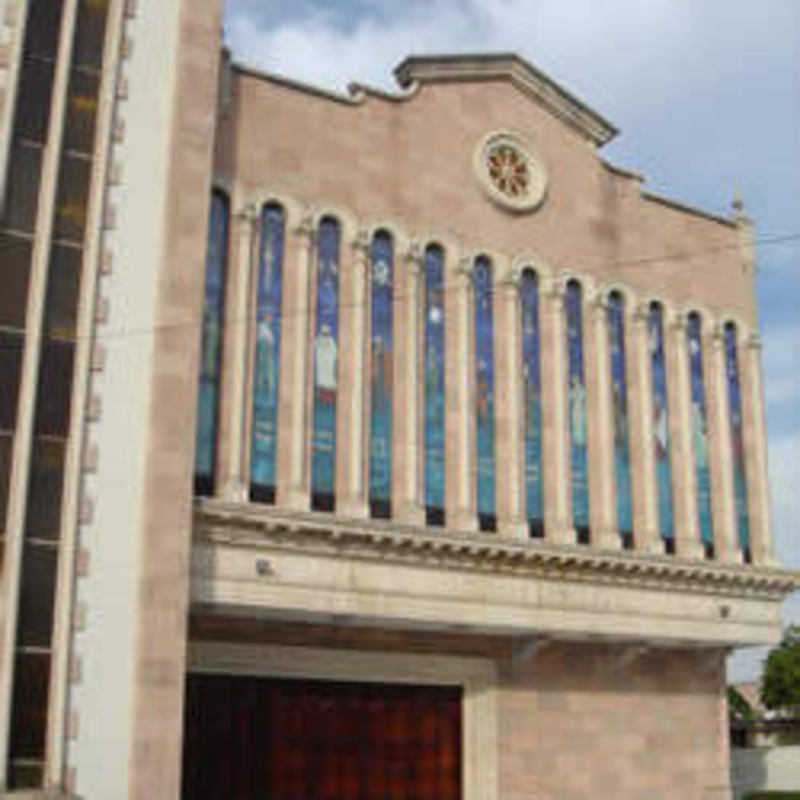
{"points": [[29, 375]]}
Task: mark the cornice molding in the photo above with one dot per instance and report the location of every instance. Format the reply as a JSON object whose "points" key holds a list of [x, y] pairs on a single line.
{"points": [[247, 526], [521, 73]]}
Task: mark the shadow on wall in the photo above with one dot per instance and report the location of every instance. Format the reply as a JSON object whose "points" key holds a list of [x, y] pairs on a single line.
{"points": [[765, 772]]}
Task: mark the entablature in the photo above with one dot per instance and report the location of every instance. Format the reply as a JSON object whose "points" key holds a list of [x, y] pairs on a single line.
{"points": [[262, 559]]}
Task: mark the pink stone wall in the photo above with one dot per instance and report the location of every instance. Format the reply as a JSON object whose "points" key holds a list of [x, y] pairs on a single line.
{"points": [[579, 722], [411, 161]]}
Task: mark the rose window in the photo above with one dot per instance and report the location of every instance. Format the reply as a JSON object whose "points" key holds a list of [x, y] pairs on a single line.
{"points": [[508, 170]]}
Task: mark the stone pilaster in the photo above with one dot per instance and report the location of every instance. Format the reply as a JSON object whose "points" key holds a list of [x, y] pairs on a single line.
{"points": [[407, 462], [600, 429], [721, 462], [684, 473], [555, 436], [510, 418], [351, 492], [293, 490], [459, 371], [761, 546], [643, 468], [235, 405]]}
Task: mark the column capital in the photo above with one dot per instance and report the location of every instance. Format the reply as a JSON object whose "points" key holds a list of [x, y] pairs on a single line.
{"points": [[466, 268], [512, 279], [360, 243], [414, 257], [554, 289], [754, 342], [597, 302], [306, 227], [641, 314], [678, 325], [718, 336], [248, 214]]}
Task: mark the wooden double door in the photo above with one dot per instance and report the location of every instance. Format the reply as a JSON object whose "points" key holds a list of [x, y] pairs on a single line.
{"points": [[250, 738]]}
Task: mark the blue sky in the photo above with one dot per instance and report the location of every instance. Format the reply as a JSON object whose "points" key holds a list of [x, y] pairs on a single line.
{"points": [[706, 95]]}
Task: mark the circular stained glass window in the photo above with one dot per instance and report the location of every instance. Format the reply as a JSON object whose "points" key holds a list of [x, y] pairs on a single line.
{"points": [[509, 172]]}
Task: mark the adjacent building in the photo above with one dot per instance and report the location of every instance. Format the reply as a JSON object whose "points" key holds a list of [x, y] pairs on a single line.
{"points": [[359, 445]]}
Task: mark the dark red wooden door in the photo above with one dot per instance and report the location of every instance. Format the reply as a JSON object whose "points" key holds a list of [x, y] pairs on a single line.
{"points": [[264, 739]]}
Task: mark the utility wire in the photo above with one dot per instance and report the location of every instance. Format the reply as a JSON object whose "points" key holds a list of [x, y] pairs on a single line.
{"points": [[399, 297]]}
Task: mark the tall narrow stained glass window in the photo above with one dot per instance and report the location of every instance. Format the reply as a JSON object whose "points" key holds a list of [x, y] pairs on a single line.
{"points": [[38, 614], [484, 392], [737, 438], [381, 362], [434, 385], [576, 397], [266, 368], [619, 400], [694, 340], [211, 346], [532, 388], [661, 442], [325, 352]]}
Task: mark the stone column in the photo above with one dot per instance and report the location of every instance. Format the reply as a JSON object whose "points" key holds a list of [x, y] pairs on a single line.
{"points": [[602, 510], [235, 405], [509, 416], [407, 462], [758, 500], [460, 441], [723, 508], [555, 436], [293, 489], [351, 499], [643, 468], [684, 473]]}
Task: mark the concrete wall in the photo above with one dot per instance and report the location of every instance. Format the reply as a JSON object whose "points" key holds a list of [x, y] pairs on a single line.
{"points": [[763, 768]]}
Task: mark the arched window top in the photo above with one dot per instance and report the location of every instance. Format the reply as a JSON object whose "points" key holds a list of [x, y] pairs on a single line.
{"points": [[616, 300], [730, 328], [383, 234], [274, 207], [656, 306], [529, 273], [435, 249], [482, 274], [574, 285], [329, 220]]}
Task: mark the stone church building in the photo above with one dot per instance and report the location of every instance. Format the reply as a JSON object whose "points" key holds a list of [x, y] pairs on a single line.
{"points": [[359, 446]]}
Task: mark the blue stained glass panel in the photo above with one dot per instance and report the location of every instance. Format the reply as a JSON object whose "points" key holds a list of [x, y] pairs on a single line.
{"points": [[699, 427], [213, 301], [531, 377], [737, 437], [576, 395], [434, 377], [619, 399], [267, 349], [380, 448], [661, 442], [484, 385], [325, 353]]}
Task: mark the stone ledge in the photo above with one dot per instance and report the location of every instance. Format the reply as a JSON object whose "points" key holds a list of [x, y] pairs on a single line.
{"points": [[248, 525]]}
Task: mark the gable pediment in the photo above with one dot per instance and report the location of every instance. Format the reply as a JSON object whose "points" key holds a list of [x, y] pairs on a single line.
{"points": [[420, 70]]}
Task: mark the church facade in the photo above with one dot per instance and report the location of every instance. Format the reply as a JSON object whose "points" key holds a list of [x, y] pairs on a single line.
{"points": [[360, 445]]}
